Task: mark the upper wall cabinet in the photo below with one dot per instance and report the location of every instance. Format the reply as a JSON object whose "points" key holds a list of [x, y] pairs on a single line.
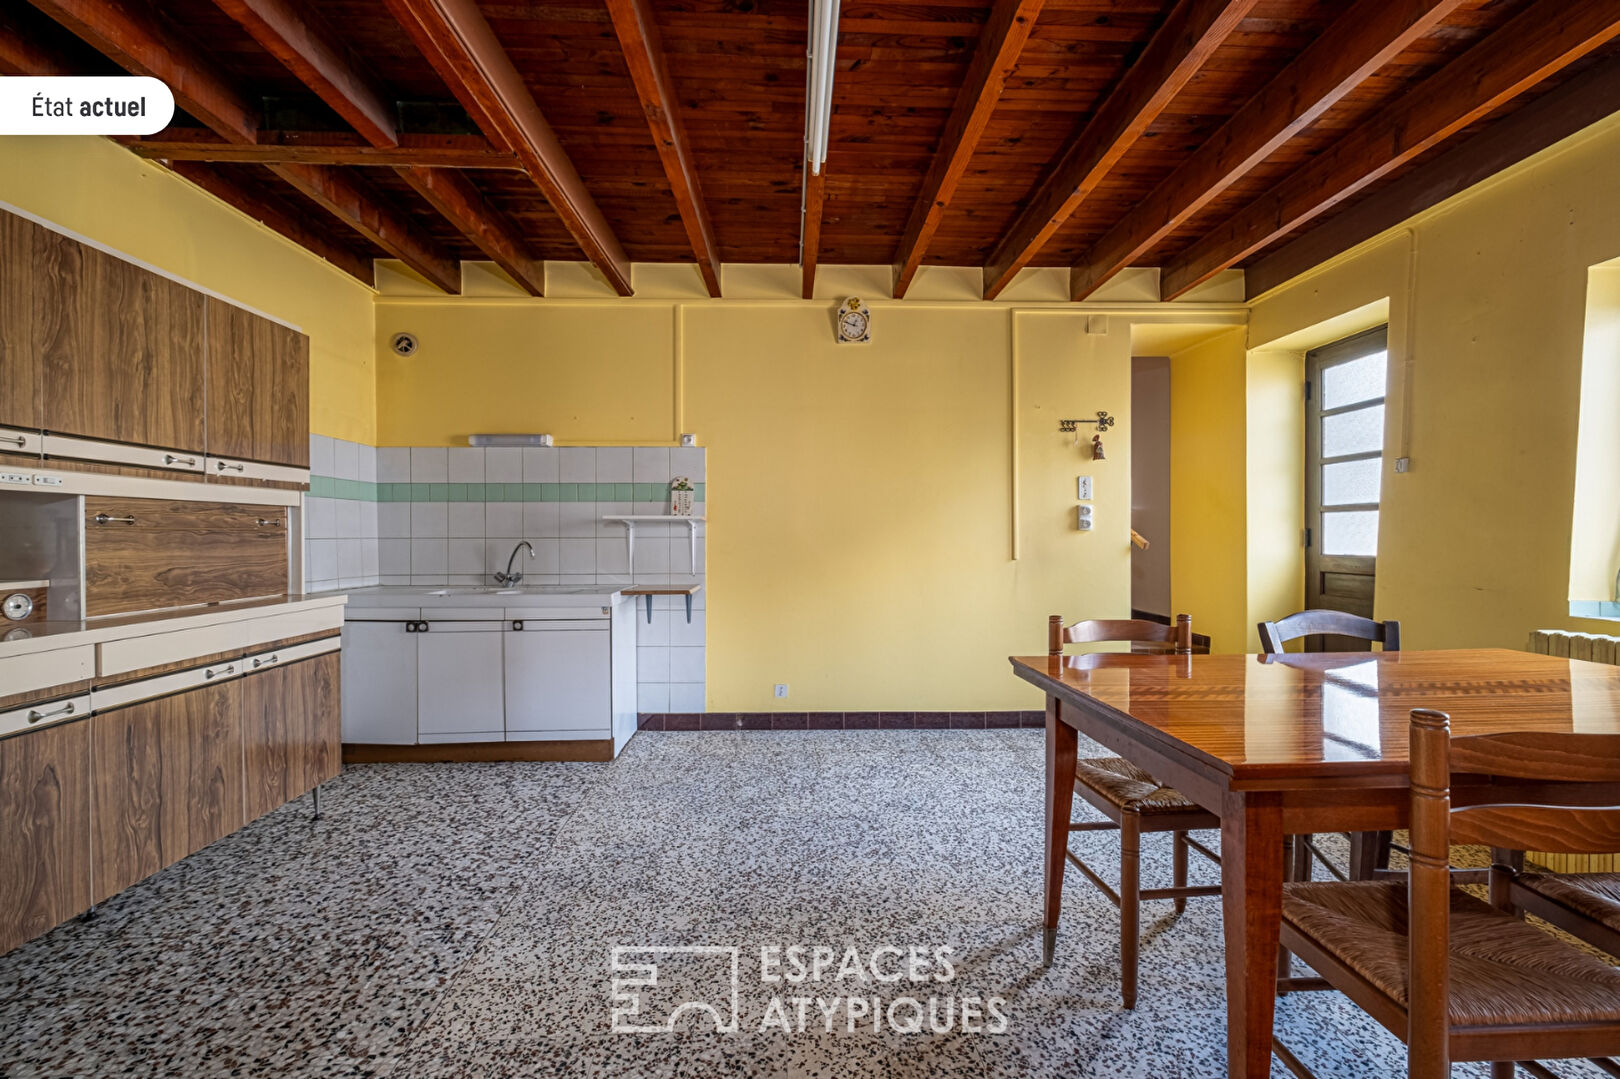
{"points": [[120, 348], [19, 363], [258, 388]]}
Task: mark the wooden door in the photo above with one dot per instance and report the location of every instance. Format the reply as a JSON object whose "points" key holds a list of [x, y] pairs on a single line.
{"points": [[19, 362], [168, 781], [1344, 463], [258, 388], [290, 731], [120, 348], [44, 830]]}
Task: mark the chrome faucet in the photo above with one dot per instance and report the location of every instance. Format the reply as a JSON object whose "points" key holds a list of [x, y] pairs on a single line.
{"points": [[508, 577]]}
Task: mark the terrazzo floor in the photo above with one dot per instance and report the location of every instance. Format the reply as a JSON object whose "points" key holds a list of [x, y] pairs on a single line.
{"points": [[459, 920]]}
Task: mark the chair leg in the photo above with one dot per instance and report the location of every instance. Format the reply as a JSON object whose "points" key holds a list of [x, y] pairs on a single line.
{"points": [[1301, 869], [1364, 854], [1180, 868], [1130, 903], [1502, 1069], [1292, 845]]}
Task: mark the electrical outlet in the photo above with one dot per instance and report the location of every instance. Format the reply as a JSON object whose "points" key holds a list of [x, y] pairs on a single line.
{"points": [[1082, 518], [1082, 488], [781, 689]]}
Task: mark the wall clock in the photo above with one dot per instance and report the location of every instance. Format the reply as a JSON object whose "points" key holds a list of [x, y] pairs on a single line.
{"points": [[854, 322]]}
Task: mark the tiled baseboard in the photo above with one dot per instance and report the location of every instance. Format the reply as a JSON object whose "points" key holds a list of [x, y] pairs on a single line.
{"points": [[838, 721]]}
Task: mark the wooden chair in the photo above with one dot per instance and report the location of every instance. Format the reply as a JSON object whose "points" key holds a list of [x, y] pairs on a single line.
{"points": [[1133, 801], [1369, 851], [1585, 905], [1453, 977]]}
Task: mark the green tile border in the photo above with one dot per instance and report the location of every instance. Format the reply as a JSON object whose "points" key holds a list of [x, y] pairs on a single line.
{"points": [[366, 491]]}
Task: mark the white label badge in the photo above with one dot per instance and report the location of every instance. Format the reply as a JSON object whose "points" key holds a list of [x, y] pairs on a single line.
{"points": [[84, 105]]}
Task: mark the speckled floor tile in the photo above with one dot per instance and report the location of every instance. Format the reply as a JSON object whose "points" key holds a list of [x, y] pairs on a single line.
{"points": [[457, 921]]}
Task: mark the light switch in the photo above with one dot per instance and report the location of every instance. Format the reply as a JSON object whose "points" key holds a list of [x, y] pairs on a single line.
{"points": [[1082, 488]]}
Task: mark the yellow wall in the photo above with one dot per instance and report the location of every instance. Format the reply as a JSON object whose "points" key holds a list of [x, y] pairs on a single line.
{"points": [[95, 188], [861, 523], [1487, 296]]}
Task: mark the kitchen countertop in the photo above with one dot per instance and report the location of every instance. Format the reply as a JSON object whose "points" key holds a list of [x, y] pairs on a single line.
{"points": [[422, 595], [23, 638]]}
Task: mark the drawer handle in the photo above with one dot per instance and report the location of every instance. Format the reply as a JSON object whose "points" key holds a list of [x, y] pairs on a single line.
{"points": [[171, 459], [223, 465], [67, 709], [268, 522], [107, 519], [265, 662], [15, 440], [224, 670]]}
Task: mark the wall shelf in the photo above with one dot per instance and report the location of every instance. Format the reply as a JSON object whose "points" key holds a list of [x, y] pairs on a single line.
{"points": [[630, 521]]}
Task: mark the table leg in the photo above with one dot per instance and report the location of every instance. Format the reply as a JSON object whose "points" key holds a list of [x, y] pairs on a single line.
{"points": [[1062, 748], [1251, 897]]}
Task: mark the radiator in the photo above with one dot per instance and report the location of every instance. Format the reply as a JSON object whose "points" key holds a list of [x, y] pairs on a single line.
{"points": [[1599, 648]]}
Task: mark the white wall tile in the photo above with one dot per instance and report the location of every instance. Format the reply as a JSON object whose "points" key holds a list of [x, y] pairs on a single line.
{"points": [[503, 464], [351, 563], [321, 456], [466, 520], [394, 579], [394, 556], [347, 515], [613, 464], [541, 519], [577, 520], [320, 518], [369, 562], [547, 560], [368, 463], [652, 665], [467, 556], [687, 697], [498, 552], [610, 556], [430, 464], [369, 518], [576, 464], [686, 664], [346, 459], [578, 556], [322, 560], [466, 464], [430, 556], [652, 552], [393, 519], [684, 634], [393, 464], [540, 464], [650, 464], [654, 632], [652, 697], [430, 520], [614, 528], [688, 461], [503, 518]]}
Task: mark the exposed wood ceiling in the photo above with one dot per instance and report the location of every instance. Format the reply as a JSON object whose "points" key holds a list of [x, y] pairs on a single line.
{"points": [[1192, 135]]}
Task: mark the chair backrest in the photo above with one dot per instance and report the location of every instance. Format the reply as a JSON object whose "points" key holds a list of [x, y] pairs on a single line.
{"points": [[1572, 822], [1177, 638], [1273, 635]]}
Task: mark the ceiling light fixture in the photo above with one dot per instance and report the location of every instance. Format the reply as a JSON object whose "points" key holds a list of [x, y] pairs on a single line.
{"points": [[821, 56]]}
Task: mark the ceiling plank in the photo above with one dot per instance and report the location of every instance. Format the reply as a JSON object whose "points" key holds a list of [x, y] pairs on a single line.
{"points": [[455, 38], [148, 45], [1192, 32], [1561, 112], [312, 51], [277, 219], [430, 151], [1358, 43], [309, 49], [994, 58], [22, 53], [1545, 38], [637, 31], [815, 195], [455, 196]]}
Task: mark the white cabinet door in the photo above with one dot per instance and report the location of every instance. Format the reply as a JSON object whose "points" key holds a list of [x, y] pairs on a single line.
{"points": [[558, 681], [379, 683], [458, 682]]}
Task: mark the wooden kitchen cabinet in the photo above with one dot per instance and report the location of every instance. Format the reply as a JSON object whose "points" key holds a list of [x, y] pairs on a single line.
{"points": [[143, 554], [258, 388], [168, 781], [290, 728], [19, 362], [120, 349], [45, 782]]}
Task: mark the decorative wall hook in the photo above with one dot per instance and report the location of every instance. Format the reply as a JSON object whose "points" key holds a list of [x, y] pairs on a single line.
{"points": [[1103, 421]]}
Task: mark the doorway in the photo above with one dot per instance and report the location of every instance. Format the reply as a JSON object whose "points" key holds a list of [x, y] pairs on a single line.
{"points": [[1150, 487], [1344, 466]]}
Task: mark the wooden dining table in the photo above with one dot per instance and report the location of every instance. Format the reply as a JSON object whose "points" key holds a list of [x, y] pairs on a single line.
{"points": [[1291, 745]]}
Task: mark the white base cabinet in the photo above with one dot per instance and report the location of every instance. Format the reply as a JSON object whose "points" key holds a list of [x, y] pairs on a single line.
{"points": [[379, 683], [459, 695], [559, 679]]}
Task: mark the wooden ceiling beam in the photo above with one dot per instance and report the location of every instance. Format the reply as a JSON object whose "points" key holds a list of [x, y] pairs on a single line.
{"points": [[1542, 40], [637, 30], [22, 53], [356, 263], [308, 48], [147, 45], [1190, 34], [994, 58], [431, 151], [1361, 41], [456, 39], [1556, 115], [815, 194]]}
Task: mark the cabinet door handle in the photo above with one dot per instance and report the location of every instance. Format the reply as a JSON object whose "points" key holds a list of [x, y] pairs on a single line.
{"points": [[223, 465], [15, 440], [171, 459], [34, 716], [517, 624], [421, 627], [106, 519], [223, 670], [268, 522], [266, 661]]}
